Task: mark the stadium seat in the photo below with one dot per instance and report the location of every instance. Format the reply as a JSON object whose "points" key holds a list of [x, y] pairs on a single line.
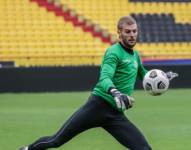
{"points": [[163, 24], [34, 36]]}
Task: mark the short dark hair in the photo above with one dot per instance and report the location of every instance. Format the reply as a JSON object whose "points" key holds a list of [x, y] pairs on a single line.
{"points": [[125, 20]]}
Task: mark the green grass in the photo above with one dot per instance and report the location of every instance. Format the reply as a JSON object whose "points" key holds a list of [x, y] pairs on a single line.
{"points": [[165, 120]]}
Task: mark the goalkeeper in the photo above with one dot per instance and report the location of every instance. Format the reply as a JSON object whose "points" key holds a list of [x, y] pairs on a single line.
{"points": [[110, 98]]}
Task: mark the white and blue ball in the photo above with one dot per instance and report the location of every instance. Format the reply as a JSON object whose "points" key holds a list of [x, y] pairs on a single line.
{"points": [[155, 82]]}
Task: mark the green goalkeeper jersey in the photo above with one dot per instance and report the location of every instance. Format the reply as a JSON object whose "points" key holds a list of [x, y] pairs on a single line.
{"points": [[119, 69]]}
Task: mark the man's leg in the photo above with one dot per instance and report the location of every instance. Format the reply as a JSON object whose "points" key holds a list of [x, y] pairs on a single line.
{"points": [[126, 133], [82, 120]]}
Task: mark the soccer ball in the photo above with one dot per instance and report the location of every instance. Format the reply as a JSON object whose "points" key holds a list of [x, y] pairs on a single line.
{"points": [[155, 82]]}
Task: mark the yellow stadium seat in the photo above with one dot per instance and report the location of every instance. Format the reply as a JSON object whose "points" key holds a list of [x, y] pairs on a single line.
{"points": [[35, 37]]}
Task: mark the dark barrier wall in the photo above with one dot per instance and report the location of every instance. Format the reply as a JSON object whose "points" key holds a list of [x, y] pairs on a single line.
{"points": [[70, 78]]}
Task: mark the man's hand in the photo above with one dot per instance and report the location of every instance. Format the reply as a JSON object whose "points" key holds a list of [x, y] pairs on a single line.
{"points": [[171, 75], [123, 101]]}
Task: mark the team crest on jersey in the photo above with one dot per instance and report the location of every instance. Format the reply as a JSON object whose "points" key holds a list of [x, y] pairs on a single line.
{"points": [[126, 61]]}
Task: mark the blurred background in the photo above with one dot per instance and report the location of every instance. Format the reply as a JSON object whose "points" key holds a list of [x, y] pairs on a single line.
{"points": [[50, 55], [56, 42]]}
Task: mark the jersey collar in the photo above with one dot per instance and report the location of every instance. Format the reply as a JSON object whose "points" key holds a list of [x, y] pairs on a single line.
{"points": [[128, 50]]}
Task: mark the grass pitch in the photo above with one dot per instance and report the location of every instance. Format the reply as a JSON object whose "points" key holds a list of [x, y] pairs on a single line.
{"points": [[164, 120]]}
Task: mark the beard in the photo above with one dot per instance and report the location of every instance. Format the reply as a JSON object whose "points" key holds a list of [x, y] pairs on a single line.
{"points": [[126, 43]]}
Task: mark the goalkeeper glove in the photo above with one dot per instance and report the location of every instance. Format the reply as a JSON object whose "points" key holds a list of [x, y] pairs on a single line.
{"points": [[122, 101], [171, 75]]}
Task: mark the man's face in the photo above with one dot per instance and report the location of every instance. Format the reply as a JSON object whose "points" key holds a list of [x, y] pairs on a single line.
{"points": [[128, 35]]}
